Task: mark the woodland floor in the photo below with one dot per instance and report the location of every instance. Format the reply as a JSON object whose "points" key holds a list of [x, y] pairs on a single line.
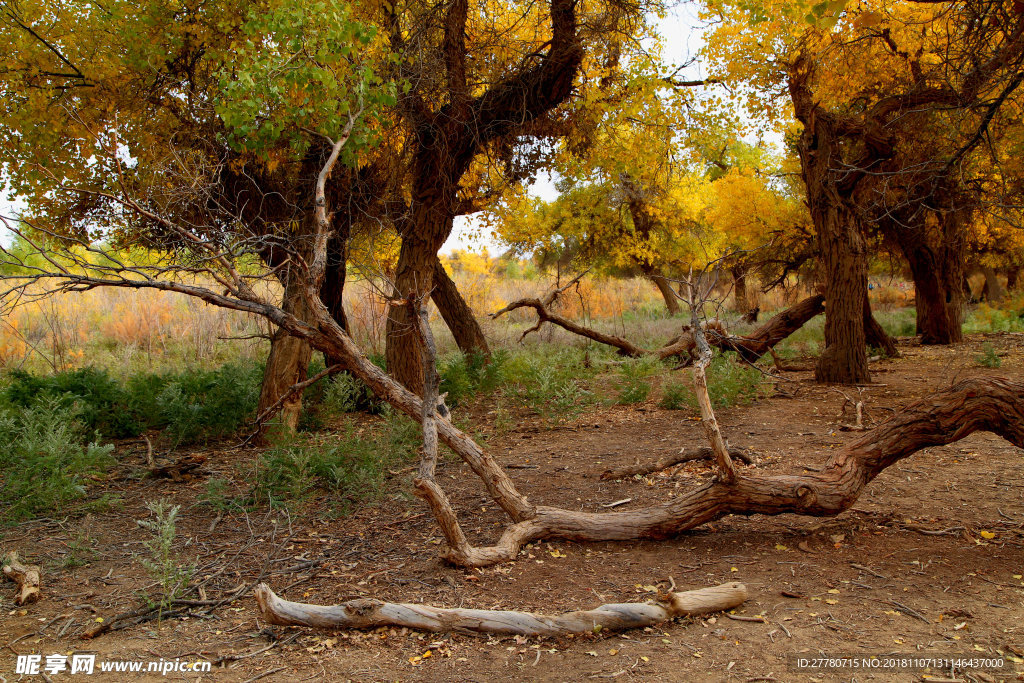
{"points": [[941, 534]]}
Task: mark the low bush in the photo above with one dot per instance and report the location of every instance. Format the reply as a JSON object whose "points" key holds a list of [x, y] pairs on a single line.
{"points": [[46, 459], [730, 383]]}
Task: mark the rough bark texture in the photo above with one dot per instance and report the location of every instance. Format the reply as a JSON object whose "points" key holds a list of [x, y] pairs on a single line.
{"points": [[752, 346], [841, 245], [993, 288], [366, 613], [667, 293], [739, 286], [287, 364], [457, 314]]}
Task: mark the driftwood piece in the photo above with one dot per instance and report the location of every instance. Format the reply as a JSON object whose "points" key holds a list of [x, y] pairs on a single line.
{"points": [[26, 576], [367, 613], [702, 453]]}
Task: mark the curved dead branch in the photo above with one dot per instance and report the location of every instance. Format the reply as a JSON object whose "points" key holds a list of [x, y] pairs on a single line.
{"points": [[365, 613], [750, 346]]}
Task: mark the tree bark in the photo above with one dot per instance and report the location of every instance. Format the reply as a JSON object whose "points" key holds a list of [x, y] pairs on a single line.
{"points": [[739, 280], [842, 249], [457, 314], [1013, 278], [287, 364], [667, 293], [332, 292], [993, 289]]}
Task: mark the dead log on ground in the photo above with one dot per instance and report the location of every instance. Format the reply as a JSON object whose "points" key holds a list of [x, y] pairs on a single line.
{"points": [[366, 613], [750, 347], [26, 576], [702, 453]]}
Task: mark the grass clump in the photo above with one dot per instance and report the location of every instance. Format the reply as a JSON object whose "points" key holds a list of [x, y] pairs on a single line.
{"points": [[466, 375], [730, 383], [552, 383], [101, 403], [46, 459], [348, 469], [634, 380]]}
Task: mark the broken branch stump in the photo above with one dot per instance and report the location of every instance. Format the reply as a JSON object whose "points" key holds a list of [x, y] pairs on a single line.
{"points": [[26, 576]]}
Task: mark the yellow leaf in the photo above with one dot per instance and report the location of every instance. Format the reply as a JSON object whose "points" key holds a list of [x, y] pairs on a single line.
{"points": [[833, 591], [988, 535], [779, 546], [733, 569], [832, 601]]}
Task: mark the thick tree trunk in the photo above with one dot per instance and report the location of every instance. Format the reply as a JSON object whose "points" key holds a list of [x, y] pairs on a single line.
{"points": [[287, 364], [993, 289], [457, 314], [875, 334], [414, 276], [842, 251], [842, 254], [667, 293]]}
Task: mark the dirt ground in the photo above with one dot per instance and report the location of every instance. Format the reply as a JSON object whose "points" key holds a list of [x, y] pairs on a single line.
{"points": [[927, 563]]}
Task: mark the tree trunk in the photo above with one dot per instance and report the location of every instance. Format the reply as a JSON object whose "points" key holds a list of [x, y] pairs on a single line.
{"points": [[993, 290], [287, 364], [457, 314], [333, 289], [842, 253], [875, 334], [739, 279], [671, 301], [842, 250], [1013, 278]]}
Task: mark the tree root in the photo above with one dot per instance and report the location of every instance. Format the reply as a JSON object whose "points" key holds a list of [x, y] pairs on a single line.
{"points": [[364, 613]]}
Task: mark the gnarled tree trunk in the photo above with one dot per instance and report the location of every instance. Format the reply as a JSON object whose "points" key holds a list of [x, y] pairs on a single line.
{"points": [[457, 314], [993, 289], [667, 293]]}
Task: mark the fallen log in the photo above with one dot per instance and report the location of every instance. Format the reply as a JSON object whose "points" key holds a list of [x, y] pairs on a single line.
{"points": [[366, 613], [703, 453], [26, 576], [750, 346]]}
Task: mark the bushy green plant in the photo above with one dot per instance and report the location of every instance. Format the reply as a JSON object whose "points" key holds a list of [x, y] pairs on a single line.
{"points": [[348, 469], [465, 375], [102, 404], [634, 381], [675, 395], [730, 383], [45, 459], [163, 564], [1007, 316], [988, 358], [551, 383], [197, 405]]}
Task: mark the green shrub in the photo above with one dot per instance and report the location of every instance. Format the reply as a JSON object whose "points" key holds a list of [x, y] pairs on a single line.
{"points": [[102, 404], [349, 469], [463, 376], [550, 383], [634, 380], [197, 405], [675, 395], [45, 459], [988, 358], [730, 383]]}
